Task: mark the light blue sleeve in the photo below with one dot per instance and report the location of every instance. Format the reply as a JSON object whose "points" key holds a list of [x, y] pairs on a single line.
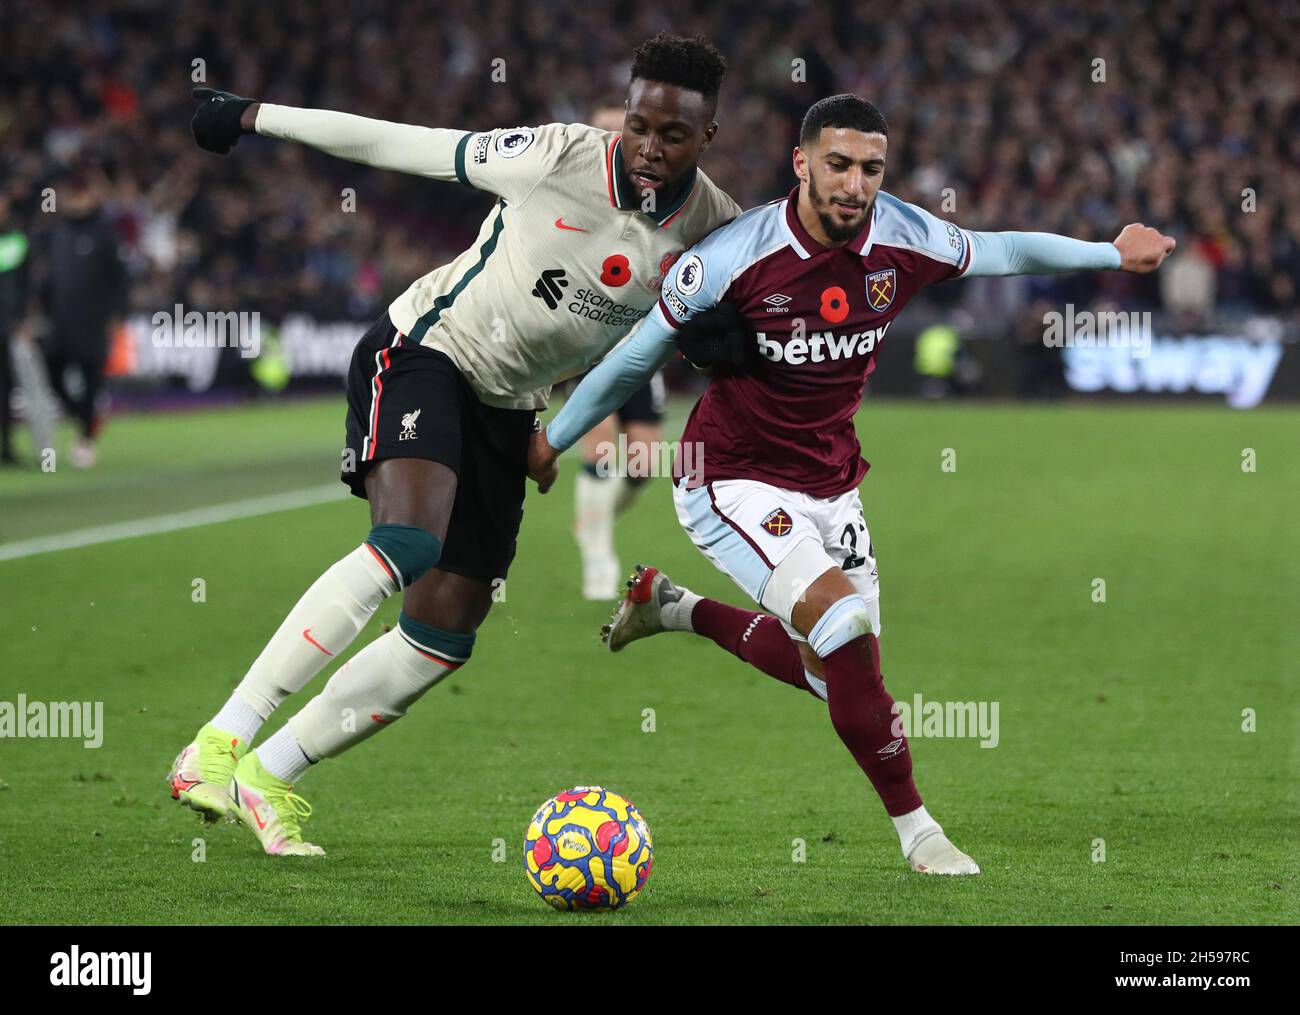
{"points": [[611, 383], [1036, 254], [695, 284], [700, 277]]}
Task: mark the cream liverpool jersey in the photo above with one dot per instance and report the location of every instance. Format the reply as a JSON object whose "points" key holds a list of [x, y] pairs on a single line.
{"points": [[565, 264]]}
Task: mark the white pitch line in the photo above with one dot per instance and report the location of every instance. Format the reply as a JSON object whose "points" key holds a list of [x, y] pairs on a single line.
{"points": [[173, 522]]}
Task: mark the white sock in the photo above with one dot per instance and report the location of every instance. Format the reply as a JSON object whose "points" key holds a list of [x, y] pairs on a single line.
{"points": [[593, 522], [237, 716], [323, 623], [283, 757], [677, 616], [372, 691], [912, 825]]}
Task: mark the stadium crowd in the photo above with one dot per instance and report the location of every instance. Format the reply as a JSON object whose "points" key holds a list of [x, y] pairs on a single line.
{"points": [[1000, 118]]}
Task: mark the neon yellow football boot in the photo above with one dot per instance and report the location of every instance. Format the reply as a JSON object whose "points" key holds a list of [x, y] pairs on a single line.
{"points": [[270, 809], [201, 773]]}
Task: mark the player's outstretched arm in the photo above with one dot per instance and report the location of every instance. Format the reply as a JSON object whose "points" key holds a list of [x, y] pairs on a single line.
{"points": [[1138, 248], [604, 389], [1143, 249], [221, 118]]}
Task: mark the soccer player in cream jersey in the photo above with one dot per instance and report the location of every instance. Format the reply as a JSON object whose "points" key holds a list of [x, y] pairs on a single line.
{"points": [[817, 278], [443, 393]]}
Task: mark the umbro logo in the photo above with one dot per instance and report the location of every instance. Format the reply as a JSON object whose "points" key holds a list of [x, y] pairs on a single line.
{"points": [[550, 287], [776, 303], [891, 749]]}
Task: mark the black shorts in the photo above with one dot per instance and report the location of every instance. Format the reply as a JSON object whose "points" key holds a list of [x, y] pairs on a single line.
{"points": [[644, 405], [409, 401]]}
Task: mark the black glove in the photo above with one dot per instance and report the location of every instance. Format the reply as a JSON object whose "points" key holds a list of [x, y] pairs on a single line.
{"points": [[717, 339], [216, 121]]}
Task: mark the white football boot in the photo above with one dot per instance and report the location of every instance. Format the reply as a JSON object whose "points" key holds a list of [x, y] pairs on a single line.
{"points": [[934, 854], [640, 614], [82, 454]]}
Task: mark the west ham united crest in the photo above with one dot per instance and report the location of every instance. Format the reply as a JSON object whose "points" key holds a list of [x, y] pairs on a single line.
{"points": [[880, 289], [778, 523]]}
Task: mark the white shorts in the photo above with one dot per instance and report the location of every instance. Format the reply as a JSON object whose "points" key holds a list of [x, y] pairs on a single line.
{"points": [[774, 543]]}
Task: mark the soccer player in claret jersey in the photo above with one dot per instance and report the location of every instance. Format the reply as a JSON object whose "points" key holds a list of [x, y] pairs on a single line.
{"points": [[772, 501], [443, 393]]}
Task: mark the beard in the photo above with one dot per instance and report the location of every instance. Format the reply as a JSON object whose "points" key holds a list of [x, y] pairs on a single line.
{"points": [[835, 229]]}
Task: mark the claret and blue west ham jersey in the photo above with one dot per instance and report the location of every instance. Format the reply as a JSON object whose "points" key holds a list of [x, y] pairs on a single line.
{"points": [[820, 316]]}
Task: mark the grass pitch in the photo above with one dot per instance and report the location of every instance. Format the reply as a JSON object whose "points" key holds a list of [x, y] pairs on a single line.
{"points": [[1120, 721]]}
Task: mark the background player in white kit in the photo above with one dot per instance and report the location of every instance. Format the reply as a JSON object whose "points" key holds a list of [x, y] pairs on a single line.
{"points": [[817, 278], [601, 495], [442, 399]]}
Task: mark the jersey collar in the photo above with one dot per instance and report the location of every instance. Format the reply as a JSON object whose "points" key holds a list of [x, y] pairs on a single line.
{"points": [[803, 243], [622, 196]]}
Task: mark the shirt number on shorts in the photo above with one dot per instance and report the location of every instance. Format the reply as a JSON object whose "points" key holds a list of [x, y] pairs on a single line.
{"points": [[849, 541]]}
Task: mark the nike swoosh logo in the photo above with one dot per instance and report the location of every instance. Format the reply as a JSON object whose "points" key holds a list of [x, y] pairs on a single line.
{"points": [[559, 224], [248, 802], [307, 634], [379, 718]]}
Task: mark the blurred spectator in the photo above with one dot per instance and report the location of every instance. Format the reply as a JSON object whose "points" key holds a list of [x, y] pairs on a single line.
{"points": [[1187, 283], [82, 296], [13, 303], [935, 361], [1042, 370]]}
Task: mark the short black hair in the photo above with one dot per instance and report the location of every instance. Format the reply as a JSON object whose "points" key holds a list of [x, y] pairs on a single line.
{"points": [[841, 111], [694, 63]]}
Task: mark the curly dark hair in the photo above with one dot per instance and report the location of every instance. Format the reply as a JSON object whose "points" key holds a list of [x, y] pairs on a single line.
{"points": [[676, 60], [841, 111]]}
